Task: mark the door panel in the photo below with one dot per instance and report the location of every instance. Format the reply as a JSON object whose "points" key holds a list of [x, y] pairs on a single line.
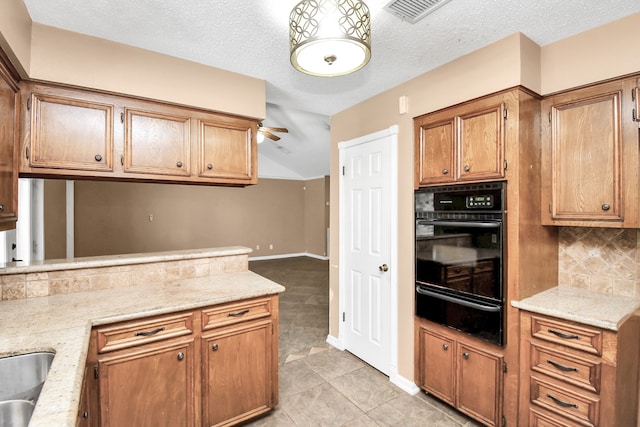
{"points": [[367, 247]]}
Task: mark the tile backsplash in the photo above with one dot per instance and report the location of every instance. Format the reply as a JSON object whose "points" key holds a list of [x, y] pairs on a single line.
{"points": [[600, 259]]}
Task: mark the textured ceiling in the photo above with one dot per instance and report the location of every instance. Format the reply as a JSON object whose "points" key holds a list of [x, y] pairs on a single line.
{"points": [[251, 37]]}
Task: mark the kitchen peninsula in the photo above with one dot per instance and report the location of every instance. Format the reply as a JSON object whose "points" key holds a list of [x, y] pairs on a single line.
{"points": [[77, 309]]}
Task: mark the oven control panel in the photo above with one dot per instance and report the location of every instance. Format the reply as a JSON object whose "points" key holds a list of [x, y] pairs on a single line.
{"points": [[479, 202]]}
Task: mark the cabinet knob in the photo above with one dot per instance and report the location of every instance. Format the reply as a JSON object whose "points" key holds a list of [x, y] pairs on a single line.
{"points": [[209, 166], [445, 347], [467, 168], [180, 356], [214, 347], [465, 355], [445, 171], [606, 207], [85, 414], [98, 158], [179, 164], [1, 208]]}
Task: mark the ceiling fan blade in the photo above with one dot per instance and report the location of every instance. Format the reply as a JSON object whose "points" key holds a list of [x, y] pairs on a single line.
{"points": [[285, 130], [270, 135]]}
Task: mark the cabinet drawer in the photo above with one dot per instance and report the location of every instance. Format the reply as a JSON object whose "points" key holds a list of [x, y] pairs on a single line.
{"points": [[537, 419], [567, 334], [130, 334], [233, 313], [579, 408], [580, 372]]}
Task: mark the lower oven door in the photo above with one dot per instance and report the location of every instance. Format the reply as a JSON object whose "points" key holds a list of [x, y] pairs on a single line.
{"points": [[474, 316]]}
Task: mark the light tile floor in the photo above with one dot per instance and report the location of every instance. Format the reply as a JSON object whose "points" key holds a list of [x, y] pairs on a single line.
{"points": [[323, 386]]}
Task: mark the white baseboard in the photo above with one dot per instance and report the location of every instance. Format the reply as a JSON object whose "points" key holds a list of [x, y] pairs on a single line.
{"points": [[331, 340], [405, 384], [307, 254]]}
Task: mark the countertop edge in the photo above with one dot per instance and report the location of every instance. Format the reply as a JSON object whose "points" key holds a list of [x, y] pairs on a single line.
{"points": [[118, 260], [605, 311]]}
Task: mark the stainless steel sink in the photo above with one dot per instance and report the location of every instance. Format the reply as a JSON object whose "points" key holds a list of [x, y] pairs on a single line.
{"points": [[22, 376], [15, 413], [21, 379]]}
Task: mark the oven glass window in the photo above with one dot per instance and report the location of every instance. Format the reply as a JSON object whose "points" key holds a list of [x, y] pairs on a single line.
{"points": [[463, 257]]}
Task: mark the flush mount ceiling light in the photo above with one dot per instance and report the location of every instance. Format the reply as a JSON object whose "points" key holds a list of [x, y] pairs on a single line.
{"points": [[330, 37]]}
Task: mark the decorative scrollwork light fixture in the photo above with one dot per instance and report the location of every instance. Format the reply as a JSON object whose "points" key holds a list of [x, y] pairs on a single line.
{"points": [[330, 37]]}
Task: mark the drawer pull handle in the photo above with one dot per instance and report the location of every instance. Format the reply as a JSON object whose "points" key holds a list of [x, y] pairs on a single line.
{"points": [[180, 356], [238, 314], [149, 333], [445, 347], [561, 367], [565, 336], [562, 402], [465, 355], [214, 347]]}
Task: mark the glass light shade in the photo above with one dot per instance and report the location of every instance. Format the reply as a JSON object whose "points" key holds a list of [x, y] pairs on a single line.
{"points": [[330, 37]]}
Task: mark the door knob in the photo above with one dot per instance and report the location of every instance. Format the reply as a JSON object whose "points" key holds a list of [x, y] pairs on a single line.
{"points": [[383, 267]]}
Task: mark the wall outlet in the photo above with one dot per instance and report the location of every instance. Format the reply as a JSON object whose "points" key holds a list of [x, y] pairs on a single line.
{"points": [[270, 246], [257, 247], [151, 218]]}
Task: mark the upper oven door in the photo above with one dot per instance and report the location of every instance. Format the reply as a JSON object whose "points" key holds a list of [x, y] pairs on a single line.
{"points": [[463, 256]]}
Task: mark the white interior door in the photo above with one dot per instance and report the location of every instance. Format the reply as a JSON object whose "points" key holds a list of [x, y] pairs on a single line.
{"points": [[367, 254]]}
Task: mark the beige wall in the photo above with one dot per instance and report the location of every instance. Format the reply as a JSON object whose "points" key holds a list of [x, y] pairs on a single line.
{"points": [[113, 218], [513, 61], [67, 57], [15, 34]]}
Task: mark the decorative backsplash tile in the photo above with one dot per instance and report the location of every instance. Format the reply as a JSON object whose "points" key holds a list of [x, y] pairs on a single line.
{"points": [[600, 259]]}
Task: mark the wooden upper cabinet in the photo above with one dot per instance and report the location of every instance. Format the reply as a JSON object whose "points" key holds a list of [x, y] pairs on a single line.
{"points": [[481, 144], [226, 150], [70, 133], [461, 143], [157, 143], [9, 119], [590, 157], [435, 153], [82, 133]]}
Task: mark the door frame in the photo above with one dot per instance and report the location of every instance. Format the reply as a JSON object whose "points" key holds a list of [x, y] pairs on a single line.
{"points": [[392, 134]]}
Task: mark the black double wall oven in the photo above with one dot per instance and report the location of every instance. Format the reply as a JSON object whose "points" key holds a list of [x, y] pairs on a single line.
{"points": [[459, 257]]}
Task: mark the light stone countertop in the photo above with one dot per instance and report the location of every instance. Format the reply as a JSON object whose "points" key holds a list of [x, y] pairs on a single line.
{"points": [[580, 305], [113, 260], [62, 323]]}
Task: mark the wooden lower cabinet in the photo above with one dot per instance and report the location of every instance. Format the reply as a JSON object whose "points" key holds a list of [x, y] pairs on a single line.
{"points": [[237, 370], [460, 371], [577, 375], [212, 367], [150, 386]]}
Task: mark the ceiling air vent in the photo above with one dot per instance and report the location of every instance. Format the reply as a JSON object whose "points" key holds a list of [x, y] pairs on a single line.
{"points": [[413, 10]]}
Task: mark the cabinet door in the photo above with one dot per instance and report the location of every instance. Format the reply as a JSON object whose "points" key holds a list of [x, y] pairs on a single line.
{"points": [[437, 360], [590, 157], [148, 387], [9, 111], [68, 133], [435, 152], [237, 373], [479, 384], [226, 151], [157, 143], [481, 143]]}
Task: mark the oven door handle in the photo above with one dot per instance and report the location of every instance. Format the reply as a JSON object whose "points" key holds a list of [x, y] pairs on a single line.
{"points": [[477, 306], [477, 224]]}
